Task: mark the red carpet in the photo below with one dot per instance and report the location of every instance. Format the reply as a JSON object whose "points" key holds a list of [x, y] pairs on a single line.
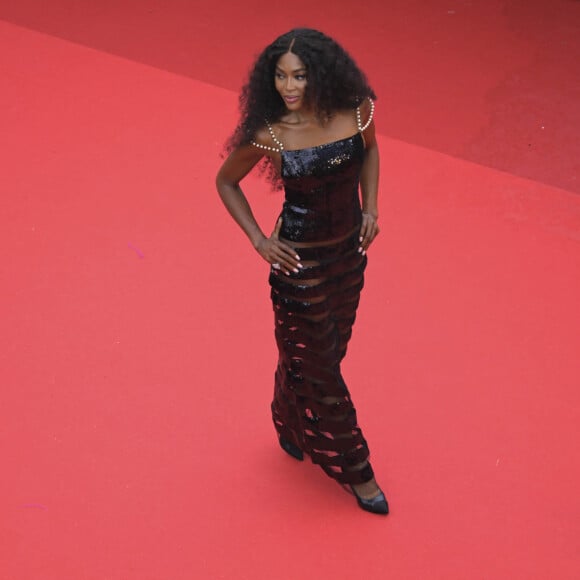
{"points": [[138, 357], [489, 81]]}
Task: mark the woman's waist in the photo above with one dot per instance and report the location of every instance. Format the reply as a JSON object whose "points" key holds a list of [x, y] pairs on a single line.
{"points": [[322, 242], [320, 205], [320, 193], [313, 227]]}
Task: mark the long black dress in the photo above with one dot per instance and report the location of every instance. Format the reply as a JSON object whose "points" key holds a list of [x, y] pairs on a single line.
{"points": [[314, 310]]}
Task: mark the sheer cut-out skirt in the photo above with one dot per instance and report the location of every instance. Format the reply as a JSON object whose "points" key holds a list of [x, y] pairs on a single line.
{"points": [[314, 312]]}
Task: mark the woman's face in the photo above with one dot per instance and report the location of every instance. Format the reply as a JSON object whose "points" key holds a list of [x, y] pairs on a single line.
{"points": [[290, 81]]}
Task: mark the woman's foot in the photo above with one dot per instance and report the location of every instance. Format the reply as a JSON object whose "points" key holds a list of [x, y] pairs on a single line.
{"points": [[291, 449], [370, 497]]}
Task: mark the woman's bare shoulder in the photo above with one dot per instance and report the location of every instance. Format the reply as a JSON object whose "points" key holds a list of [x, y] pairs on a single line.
{"points": [[262, 135]]}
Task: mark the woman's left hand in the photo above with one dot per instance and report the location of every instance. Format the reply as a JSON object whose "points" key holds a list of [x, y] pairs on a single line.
{"points": [[368, 231]]}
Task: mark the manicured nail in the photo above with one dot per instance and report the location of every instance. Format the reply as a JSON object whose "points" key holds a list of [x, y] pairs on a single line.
{"points": [[297, 256], [300, 265], [295, 270], [364, 253], [360, 250], [360, 239]]}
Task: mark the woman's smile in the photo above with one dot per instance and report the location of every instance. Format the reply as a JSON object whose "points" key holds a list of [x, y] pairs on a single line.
{"points": [[290, 99]]}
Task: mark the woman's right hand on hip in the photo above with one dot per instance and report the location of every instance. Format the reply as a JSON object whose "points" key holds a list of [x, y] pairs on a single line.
{"points": [[280, 255]]}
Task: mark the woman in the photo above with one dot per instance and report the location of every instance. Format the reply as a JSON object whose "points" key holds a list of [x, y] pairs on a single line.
{"points": [[307, 116]]}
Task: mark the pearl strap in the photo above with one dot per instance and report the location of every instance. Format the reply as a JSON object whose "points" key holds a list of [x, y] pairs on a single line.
{"points": [[274, 138], [278, 149], [370, 119], [265, 147]]}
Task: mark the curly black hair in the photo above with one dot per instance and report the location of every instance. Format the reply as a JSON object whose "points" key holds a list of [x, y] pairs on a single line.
{"points": [[334, 82]]}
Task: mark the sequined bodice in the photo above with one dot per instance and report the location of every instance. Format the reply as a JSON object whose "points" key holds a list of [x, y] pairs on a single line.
{"points": [[321, 185]]}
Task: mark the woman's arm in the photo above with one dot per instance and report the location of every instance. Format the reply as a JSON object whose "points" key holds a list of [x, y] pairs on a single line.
{"points": [[239, 163], [369, 185], [235, 168]]}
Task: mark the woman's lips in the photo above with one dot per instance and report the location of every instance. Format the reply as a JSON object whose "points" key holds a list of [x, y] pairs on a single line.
{"points": [[291, 99]]}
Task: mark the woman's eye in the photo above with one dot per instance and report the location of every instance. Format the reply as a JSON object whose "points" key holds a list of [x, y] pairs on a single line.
{"points": [[300, 77], [279, 76]]}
